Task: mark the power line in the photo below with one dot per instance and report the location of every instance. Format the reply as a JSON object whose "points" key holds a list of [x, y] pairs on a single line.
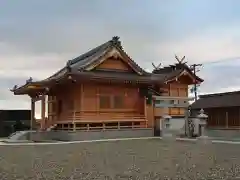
{"points": [[222, 60]]}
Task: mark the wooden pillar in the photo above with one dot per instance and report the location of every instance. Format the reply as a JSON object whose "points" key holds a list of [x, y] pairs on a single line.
{"points": [[145, 111], [226, 119], [32, 112], [239, 118], [74, 126], [43, 110], [74, 116], [82, 95], [98, 100]]}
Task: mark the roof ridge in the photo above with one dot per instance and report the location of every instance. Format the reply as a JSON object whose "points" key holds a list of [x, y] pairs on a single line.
{"points": [[219, 94], [89, 53], [113, 42]]}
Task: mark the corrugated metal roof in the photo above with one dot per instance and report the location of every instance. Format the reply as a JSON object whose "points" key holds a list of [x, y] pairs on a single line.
{"points": [[227, 99]]}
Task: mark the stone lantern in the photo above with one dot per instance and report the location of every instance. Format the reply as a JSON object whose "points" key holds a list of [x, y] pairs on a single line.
{"points": [[202, 122]]}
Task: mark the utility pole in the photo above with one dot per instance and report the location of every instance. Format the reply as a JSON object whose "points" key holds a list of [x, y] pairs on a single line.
{"points": [[194, 69]]}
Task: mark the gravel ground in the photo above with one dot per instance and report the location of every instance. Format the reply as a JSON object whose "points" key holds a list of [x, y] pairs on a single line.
{"points": [[133, 159]]}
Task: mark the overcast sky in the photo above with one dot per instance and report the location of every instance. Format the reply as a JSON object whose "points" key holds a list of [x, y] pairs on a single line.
{"points": [[38, 37]]}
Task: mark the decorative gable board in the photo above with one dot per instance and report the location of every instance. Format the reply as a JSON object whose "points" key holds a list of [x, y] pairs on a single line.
{"points": [[186, 79], [113, 60], [183, 78], [114, 64]]}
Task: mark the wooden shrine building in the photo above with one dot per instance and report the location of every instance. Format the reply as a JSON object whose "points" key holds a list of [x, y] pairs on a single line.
{"points": [[223, 109], [105, 89]]}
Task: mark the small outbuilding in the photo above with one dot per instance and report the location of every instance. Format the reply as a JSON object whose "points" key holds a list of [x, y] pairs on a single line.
{"points": [[223, 109]]}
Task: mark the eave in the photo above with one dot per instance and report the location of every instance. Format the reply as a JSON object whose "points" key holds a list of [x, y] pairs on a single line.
{"points": [[29, 88], [194, 78], [83, 77], [38, 86], [115, 78]]}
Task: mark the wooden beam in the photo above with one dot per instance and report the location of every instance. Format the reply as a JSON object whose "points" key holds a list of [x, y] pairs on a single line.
{"points": [[172, 98]]}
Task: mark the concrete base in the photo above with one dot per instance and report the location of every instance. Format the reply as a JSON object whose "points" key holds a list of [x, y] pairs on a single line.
{"points": [[89, 135], [223, 134], [204, 139], [168, 137]]}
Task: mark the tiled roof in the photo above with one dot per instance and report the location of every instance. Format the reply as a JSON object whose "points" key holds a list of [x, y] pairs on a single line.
{"points": [[174, 69], [228, 99], [81, 62]]}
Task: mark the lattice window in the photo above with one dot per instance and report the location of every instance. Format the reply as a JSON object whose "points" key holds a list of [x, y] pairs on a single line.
{"points": [[105, 102], [54, 107], [118, 102], [59, 107]]}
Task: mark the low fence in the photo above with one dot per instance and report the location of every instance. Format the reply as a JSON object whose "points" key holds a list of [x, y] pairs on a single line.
{"points": [[88, 135], [223, 134]]}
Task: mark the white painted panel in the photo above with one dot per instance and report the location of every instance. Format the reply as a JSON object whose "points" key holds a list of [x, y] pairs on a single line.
{"points": [[177, 123]]}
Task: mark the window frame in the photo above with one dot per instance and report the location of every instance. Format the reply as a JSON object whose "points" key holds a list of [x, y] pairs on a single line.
{"points": [[112, 101], [117, 105], [101, 106]]}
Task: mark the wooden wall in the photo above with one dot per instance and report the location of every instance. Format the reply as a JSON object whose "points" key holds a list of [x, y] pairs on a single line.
{"points": [[223, 117], [176, 89], [84, 101]]}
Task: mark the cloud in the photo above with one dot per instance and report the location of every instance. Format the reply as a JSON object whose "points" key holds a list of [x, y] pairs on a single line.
{"points": [[217, 49], [37, 39], [206, 46]]}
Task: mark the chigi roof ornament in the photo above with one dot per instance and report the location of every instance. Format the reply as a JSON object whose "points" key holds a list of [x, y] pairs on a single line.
{"points": [[156, 67], [180, 61]]}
